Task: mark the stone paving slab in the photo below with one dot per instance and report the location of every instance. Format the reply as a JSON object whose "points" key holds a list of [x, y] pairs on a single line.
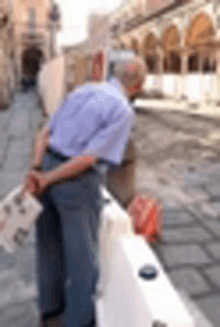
{"points": [[19, 164], [197, 193], [210, 305], [9, 180], [19, 124], [177, 255], [21, 144], [190, 280], [213, 189], [21, 315], [2, 152], [214, 248], [208, 210], [214, 226], [186, 234], [177, 217], [214, 275]]}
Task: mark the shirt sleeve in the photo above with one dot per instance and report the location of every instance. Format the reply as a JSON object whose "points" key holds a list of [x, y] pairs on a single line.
{"points": [[110, 142]]}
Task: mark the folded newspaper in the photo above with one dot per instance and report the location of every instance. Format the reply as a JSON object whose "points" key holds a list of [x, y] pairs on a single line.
{"points": [[17, 215]]}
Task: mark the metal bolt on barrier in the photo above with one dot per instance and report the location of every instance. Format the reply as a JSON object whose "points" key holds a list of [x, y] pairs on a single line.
{"points": [[148, 272]]}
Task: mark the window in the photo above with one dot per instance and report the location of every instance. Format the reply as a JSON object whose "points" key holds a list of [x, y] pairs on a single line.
{"points": [[209, 66], [193, 63], [172, 63], [175, 66], [151, 62]]}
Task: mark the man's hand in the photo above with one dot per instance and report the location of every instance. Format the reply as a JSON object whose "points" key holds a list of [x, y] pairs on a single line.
{"points": [[36, 183]]}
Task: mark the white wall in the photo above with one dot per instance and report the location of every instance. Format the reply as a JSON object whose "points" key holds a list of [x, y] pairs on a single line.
{"points": [[196, 86]]}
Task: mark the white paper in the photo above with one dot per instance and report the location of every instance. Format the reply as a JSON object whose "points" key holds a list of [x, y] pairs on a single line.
{"points": [[17, 215]]}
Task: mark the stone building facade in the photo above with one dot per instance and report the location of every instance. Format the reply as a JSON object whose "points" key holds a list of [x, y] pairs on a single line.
{"points": [[35, 25], [179, 41], [27, 39], [7, 81], [78, 63]]}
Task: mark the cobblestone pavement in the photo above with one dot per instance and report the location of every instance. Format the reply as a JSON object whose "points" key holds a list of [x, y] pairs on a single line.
{"points": [[171, 162], [18, 291]]}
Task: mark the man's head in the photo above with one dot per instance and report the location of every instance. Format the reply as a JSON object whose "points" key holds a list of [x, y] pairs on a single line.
{"points": [[132, 74]]}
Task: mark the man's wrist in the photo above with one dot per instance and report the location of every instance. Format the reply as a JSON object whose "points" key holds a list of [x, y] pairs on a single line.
{"points": [[53, 177], [37, 167]]}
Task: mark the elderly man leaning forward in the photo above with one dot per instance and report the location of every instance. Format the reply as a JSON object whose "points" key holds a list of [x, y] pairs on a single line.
{"points": [[92, 127]]}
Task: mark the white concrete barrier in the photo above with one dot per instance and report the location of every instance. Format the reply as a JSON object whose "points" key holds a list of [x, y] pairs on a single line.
{"points": [[115, 222], [127, 300]]}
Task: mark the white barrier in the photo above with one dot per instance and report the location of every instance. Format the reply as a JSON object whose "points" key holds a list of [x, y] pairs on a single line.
{"points": [[51, 83], [115, 222], [196, 86], [127, 299], [151, 83], [170, 85]]}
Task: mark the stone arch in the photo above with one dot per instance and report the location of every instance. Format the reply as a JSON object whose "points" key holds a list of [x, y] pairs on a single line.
{"points": [[31, 61], [199, 33], [171, 38], [150, 44], [149, 49], [171, 46]]}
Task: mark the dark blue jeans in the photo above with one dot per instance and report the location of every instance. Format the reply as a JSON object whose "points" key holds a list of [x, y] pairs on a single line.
{"points": [[67, 246]]}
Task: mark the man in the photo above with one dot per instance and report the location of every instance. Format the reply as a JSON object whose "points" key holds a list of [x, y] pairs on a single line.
{"points": [[91, 128]]}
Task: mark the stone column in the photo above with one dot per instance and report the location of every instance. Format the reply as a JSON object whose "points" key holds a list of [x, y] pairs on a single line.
{"points": [[183, 75], [217, 80], [203, 96], [212, 79], [160, 71]]}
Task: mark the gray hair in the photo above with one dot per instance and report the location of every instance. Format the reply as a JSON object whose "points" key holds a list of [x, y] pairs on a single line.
{"points": [[125, 75]]}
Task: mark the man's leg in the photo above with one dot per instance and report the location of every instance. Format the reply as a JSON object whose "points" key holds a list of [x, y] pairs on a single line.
{"points": [[50, 261], [79, 207]]}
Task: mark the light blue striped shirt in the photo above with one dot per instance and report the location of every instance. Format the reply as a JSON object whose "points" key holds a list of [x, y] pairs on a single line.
{"points": [[95, 120]]}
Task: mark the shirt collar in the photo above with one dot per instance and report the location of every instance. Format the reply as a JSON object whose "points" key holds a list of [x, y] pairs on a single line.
{"points": [[117, 84]]}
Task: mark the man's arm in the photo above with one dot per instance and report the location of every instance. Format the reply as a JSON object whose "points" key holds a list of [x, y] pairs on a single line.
{"points": [[42, 141], [38, 181], [70, 169]]}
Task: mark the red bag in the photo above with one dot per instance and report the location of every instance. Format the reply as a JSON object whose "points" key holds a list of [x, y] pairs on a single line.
{"points": [[147, 215]]}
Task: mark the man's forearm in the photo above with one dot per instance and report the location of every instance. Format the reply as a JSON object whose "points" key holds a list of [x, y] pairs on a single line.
{"points": [[40, 146], [70, 169]]}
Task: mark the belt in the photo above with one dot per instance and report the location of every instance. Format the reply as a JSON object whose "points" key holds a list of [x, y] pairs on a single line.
{"points": [[65, 158], [57, 154]]}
